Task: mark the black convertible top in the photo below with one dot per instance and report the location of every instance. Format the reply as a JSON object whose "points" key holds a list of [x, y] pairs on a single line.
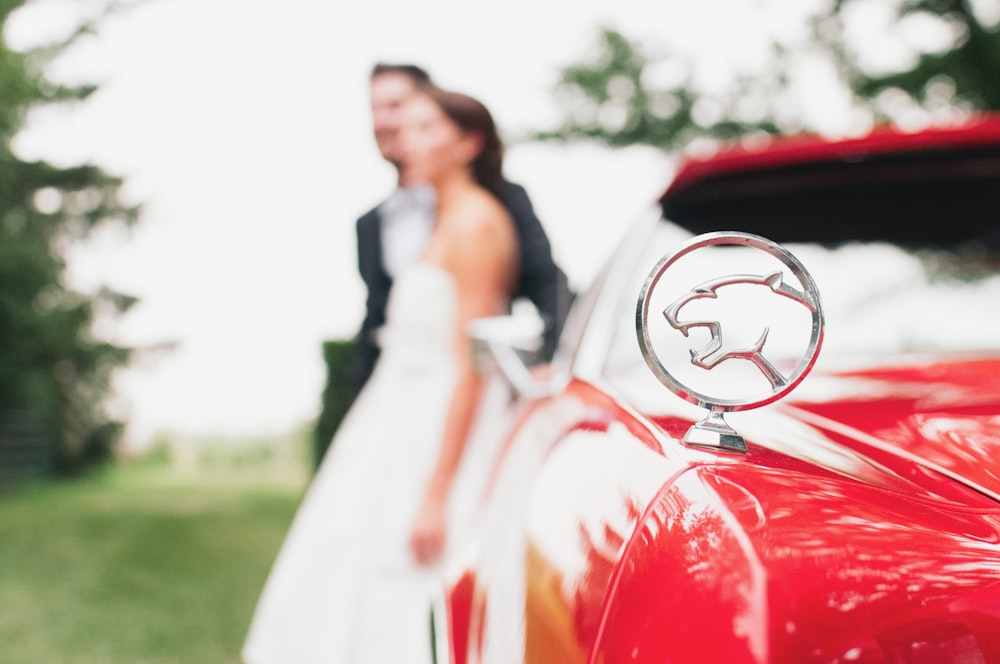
{"points": [[936, 187]]}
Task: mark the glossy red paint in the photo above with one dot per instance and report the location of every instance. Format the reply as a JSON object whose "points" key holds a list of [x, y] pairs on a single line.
{"points": [[944, 415], [767, 557], [860, 528], [754, 564], [459, 606], [776, 559], [566, 570]]}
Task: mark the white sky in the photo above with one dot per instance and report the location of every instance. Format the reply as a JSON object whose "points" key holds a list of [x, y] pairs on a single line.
{"points": [[243, 126]]}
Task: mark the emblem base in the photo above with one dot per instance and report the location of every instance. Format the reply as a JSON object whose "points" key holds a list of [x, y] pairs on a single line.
{"points": [[715, 432]]}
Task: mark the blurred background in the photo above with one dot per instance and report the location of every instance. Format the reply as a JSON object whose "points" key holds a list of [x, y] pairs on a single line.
{"points": [[179, 181]]}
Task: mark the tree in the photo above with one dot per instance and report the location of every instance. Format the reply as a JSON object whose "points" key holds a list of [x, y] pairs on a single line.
{"points": [[618, 99], [53, 367], [955, 68], [947, 64]]}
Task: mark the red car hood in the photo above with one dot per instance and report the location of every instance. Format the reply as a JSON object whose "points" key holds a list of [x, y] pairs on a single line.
{"points": [[922, 422], [863, 522]]}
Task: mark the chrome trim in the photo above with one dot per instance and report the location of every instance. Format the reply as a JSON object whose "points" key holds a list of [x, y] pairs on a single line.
{"points": [[508, 344], [598, 320]]}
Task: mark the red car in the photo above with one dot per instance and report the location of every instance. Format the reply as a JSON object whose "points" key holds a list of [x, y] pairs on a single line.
{"points": [[753, 452]]}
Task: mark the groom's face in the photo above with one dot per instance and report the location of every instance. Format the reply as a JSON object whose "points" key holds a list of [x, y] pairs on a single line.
{"points": [[389, 91]]}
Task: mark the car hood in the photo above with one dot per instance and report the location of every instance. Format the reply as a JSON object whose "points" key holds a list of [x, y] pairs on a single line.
{"points": [[915, 423]]}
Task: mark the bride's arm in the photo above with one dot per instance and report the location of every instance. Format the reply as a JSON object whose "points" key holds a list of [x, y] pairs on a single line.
{"points": [[482, 260]]}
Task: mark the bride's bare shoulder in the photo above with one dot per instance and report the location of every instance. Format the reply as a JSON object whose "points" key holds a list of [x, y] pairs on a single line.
{"points": [[481, 212]]}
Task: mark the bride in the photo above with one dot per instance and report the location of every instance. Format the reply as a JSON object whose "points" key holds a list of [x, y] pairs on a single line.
{"points": [[352, 582]]}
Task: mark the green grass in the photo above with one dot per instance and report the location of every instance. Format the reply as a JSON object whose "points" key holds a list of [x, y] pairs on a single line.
{"points": [[138, 564]]}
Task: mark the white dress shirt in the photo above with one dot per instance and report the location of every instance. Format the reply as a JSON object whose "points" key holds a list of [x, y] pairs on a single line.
{"points": [[407, 222]]}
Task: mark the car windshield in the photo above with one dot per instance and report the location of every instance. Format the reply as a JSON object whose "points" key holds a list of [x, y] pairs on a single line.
{"points": [[878, 300]]}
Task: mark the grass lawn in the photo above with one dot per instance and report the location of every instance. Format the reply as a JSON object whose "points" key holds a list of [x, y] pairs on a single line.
{"points": [[137, 564]]}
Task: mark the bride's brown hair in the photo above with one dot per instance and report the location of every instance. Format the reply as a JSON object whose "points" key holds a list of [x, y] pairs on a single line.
{"points": [[472, 116]]}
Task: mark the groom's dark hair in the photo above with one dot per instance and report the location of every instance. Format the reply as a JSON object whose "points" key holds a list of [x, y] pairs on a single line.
{"points": [[415, 73]]}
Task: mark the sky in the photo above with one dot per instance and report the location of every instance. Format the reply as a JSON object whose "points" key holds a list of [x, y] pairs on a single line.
{"points": [[243, 128]]}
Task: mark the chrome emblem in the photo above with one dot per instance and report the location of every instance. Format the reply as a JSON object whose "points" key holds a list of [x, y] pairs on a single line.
{"points": [[771, 310]]}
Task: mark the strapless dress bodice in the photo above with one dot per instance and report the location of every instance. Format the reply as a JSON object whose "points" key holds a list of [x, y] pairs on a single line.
{"points": [[420, 316]]}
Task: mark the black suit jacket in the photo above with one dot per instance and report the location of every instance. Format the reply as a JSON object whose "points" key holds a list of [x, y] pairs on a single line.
{"points": [[539, 279]]}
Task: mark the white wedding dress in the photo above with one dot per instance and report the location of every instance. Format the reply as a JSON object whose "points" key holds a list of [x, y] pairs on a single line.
{"points": [[344, 587]]}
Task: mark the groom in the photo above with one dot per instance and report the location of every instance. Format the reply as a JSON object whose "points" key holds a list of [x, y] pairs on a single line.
{"points": [[392, 235]]}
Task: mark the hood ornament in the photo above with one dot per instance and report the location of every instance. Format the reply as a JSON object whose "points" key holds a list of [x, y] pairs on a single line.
{"points": [[709, 316]]}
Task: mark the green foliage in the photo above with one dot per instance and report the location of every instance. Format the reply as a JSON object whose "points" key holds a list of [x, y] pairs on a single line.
{"points": [[961, 74], [338, 393], [613, 99], [52, 365], [622, 96]]}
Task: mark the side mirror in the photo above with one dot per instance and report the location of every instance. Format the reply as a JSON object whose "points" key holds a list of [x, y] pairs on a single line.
{"points": [[510, 344]]}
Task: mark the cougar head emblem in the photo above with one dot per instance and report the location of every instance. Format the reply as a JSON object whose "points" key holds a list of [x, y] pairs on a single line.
{"points": [[713, 431], [713, 354]]}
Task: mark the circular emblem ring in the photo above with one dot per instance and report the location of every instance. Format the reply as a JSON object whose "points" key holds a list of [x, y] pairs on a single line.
{"points": [[808, 296]]}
